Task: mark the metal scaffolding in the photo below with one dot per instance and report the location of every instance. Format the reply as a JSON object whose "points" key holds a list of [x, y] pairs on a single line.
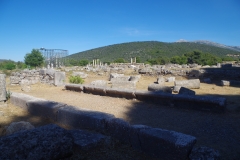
{"points": [[54, 57]]}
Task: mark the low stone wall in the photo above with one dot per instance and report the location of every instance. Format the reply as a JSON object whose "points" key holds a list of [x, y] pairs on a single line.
{"points": [[159, 143], [46, 76], [193, 102]]}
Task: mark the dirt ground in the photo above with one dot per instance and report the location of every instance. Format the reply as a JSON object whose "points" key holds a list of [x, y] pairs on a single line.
{"points": [[218, 131]]}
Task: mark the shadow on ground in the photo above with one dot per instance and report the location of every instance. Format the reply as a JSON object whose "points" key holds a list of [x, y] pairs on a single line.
{"points": [[220, 131]]}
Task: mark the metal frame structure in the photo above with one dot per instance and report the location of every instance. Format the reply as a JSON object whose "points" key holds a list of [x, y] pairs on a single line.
{"points": [[54, 57]]}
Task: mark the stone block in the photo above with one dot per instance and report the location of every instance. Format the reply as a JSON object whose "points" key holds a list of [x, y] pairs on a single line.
{"points": [[99, 91], [225, 83], [17, 126], [170, 79], [19, 99], [3, 87], [159, 88], [101, 83], [120, 93], [155, 97], [204, 103], [176, 89], [135, 78], [82, 118], [42, 72], [74, 87], [124, 84], [204, 153], [45, 109], [161, 80], [120, 78], [88, 141], [50, 72], [186, 91], [134, 136], [119, 129], [46, 142], [59, 78], [166, 144], [191, 84], [88, 89]]}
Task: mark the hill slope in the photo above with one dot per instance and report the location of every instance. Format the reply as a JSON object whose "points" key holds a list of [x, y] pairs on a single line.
{"points": [[147, 50]]}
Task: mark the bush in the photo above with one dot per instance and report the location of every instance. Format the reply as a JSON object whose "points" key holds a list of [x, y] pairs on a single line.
{"points": [[76, 80]]}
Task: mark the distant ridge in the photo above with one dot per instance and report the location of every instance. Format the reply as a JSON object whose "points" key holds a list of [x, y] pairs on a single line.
{"points": [[152, 49], [1, 60], [234, 48]]}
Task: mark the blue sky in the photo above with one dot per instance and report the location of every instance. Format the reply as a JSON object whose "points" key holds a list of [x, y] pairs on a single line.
{"points": [[79, 25]]}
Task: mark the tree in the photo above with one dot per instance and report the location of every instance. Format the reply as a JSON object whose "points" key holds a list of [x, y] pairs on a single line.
{"points": [[83, 62], [34, 59], [8, 65], [119, 60], [138, 60]]}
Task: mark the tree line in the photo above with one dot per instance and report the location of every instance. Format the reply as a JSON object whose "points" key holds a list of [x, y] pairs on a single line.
{"points": [[36, 59]]}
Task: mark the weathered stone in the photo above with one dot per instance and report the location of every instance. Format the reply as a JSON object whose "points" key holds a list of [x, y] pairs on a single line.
{"points": [[225, 83], [25, 85], [119, 129], [159, 88], [202, 153], [17, 126], [176, 89], [101, 83], [44, 108], [186, 91], [135, 78], [121, 93], [120, 78], [3, 87], [50, 72], [74, 87], [88, 141], [115, 75], [82, 118], [47, 142], [191, 84], [161, 80], [170, 79], [124, 84], [59, 78], [166, 144]]}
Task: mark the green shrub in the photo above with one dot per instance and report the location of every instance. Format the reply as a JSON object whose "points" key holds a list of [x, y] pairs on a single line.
{"points": [[8, 95], [76, 80]]}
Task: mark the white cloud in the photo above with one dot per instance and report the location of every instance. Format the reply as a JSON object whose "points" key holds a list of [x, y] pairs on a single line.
{"points": [[136, 32]]}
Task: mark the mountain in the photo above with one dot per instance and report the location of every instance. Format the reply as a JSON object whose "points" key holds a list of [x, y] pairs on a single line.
{"points": [[151, 49], [1, 60], [234, 48]]}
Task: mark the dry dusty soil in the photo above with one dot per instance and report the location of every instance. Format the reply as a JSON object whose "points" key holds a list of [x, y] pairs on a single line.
{"points": [[220, 131]]}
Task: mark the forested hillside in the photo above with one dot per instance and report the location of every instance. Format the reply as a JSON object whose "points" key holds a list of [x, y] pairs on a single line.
{"points": [[148, 50]]}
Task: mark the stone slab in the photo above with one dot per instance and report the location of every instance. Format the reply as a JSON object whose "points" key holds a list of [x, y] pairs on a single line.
{"points": [[45, 109], [19, 99], [120, 93], [166, 144], [74, 87], [59, 78], [119, 129], [2, 87], [204, 103], [82, 118], [88, 141]]}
